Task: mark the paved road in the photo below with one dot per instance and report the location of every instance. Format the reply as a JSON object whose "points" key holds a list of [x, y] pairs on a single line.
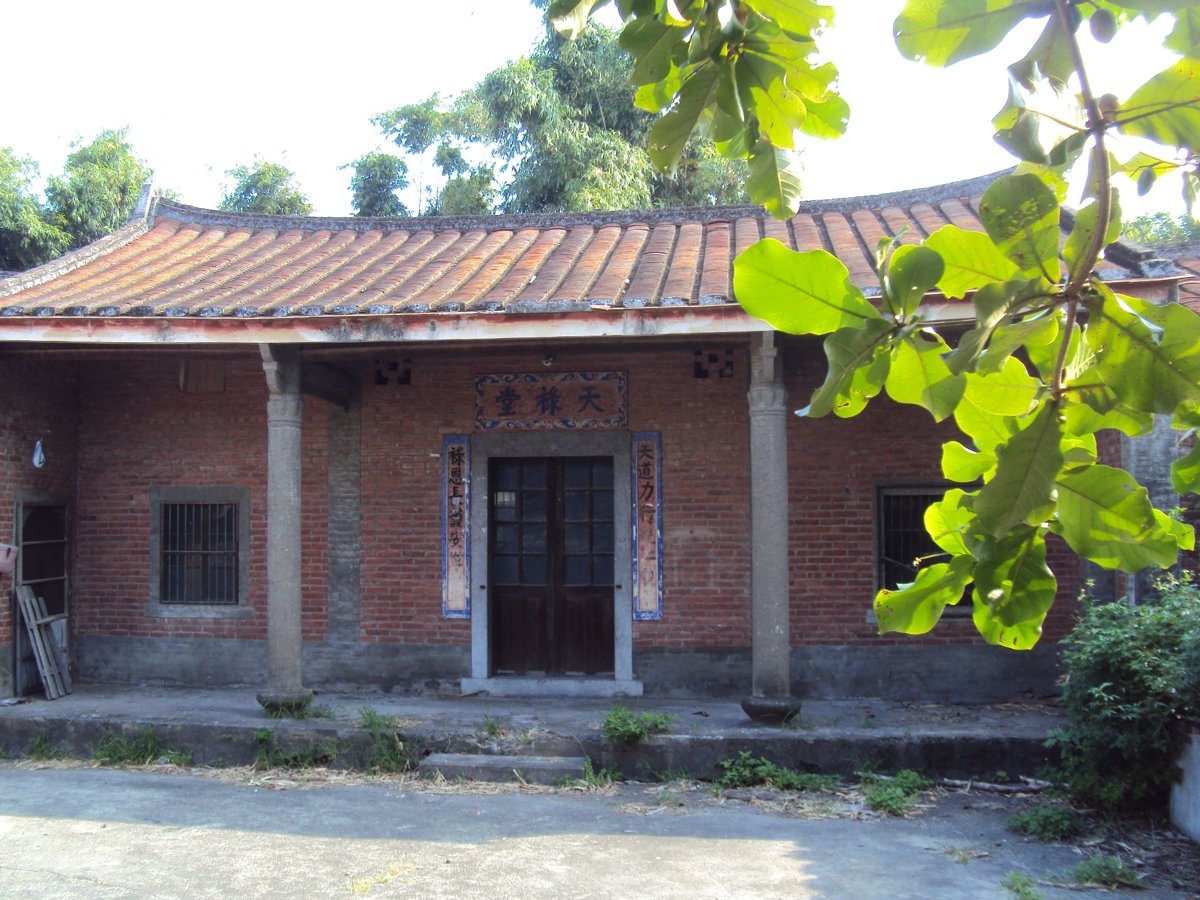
{"points": [[84, 832]]}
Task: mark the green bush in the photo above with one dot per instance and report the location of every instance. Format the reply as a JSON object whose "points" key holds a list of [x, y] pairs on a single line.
{"points": [[1048, 823], [1133, 678]]}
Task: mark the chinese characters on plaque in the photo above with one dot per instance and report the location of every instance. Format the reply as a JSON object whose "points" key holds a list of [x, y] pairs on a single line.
{"points": [[550, 400], [647, 525], [456, 527]]}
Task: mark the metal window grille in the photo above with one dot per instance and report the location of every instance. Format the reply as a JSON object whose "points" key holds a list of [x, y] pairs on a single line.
{"points": [[199, 547], [902, 537]]}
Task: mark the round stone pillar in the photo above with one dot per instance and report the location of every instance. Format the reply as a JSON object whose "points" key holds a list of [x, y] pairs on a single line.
{"points": [[771, 693]]}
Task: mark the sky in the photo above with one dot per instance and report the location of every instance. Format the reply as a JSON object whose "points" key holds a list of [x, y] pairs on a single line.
{"points": [[299, 83]]}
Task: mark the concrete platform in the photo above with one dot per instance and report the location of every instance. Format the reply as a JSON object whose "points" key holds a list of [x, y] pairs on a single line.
{"points": [[506, 767], [228, 726]]}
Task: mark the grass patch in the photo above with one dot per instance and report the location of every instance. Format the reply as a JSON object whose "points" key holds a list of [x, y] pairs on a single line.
{"points": [[1020, 887], [386, 752], [493, 728], [624, 726], [373, 720], [892, 795], [42, 747], [270, 756], [1052, 822], [1106, 871], [304, 710], [748, 770], [140, 750]]}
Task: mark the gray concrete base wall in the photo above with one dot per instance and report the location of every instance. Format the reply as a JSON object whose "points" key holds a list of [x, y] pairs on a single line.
{"points": [[195, 662], [966, 674]]}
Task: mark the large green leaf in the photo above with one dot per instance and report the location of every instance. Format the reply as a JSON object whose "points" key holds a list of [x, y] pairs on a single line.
{"points": [[858, 365], [1036, 332], [570, 16], [910, 273], [964, 465], [942, 32], [764, 90], [1184, 38], [1089, 408], [1050, 57], [1079, 241], [1107, 517], [1166, 108], [774, 180], [996, 304], [1148, 354], [798, 293], [1011, 391], [1020, 213], [796, 16], [915, 608], [652, 45], [919, 376], [948, 521], [1022, 490], [1185, 471], [826, 118], [985, 429], [971, 260], [1014, 589]]}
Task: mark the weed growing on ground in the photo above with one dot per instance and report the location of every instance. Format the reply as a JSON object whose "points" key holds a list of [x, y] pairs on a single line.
{"points": [[894, 795], [387, 752], [1020, 887], [748, 770], [1107, 871], [143, 749], [592, 778], [623, 726], [493, 728], [42, 747], [270, 756], [1052, 822], [300, 711]]}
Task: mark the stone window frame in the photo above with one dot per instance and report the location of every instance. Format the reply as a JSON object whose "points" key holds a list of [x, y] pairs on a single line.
{"points": [[237, 495], [932, 489]]}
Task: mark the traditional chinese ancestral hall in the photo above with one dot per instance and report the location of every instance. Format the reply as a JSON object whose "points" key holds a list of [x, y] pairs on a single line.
{"points": [[544, 455]]}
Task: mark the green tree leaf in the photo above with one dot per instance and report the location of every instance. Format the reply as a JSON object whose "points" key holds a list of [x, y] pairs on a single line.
{"points": [[798, 293], [774, 181], [1166, 108], [1021, 215], [920, 377], [942, 32], [570, 16], [1149, 355], [996, 304], [1022, 490], [1079, 241], [1011, 391], [949, 521], [1106, 517], [971, 260], [915, 608], [670, 134], [858, 366], [1185, 471], [1014, 589], [910, 273], [964, 465]]}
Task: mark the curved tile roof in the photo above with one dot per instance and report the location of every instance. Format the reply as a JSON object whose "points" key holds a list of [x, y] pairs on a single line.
{"points": [[180, 262]]}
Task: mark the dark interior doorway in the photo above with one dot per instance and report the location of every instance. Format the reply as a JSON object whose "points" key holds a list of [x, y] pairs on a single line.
{"points": [[550, 554]]}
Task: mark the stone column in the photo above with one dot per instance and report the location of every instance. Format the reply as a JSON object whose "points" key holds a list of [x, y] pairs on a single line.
{"points": [[285, 410], [771, 694]]}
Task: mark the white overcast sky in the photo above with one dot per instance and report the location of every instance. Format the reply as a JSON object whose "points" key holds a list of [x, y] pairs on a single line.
{"points": [[205, 87]]}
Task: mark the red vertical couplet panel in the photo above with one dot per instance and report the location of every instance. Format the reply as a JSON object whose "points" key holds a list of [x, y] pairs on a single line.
{"points": [[647, 525]]}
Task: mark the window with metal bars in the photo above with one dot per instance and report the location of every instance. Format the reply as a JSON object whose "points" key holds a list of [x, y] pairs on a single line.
{"points": [[198, 543], [902, 540]]}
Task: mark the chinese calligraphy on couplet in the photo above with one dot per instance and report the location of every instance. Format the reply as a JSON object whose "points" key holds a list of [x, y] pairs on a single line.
{"points": [[456, 527], [550, 400], [647, 525]]}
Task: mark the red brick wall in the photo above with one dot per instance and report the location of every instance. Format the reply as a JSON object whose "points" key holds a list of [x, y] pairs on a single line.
{"points": [[37, 401], [836, 466], [139, 431]]}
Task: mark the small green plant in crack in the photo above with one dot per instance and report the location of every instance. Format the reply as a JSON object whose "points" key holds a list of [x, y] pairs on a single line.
{"points": [[623, 726], [748, 770], [594, 778], [300, 711], [493, 728], [1051, 822], [371, 719], [142, 749], [1020, 887], [42, 747], [386, 752], [270, 756], [1106, 871]]}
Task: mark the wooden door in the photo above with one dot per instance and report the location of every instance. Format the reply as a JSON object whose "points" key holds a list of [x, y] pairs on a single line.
{"points": [[41, 564], [550, 553]]}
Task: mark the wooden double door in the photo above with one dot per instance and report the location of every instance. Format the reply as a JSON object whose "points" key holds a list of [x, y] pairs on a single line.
{"points": [[550, 555]]}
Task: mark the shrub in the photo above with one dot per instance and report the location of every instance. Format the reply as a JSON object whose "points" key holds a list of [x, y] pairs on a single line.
{"points": [[1048, 823], [894, 795], [622, 725], [1133, 677], [1108, 871]]}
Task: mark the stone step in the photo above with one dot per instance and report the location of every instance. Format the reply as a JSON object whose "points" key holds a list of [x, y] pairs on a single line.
{"points": [[487, 767]]}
